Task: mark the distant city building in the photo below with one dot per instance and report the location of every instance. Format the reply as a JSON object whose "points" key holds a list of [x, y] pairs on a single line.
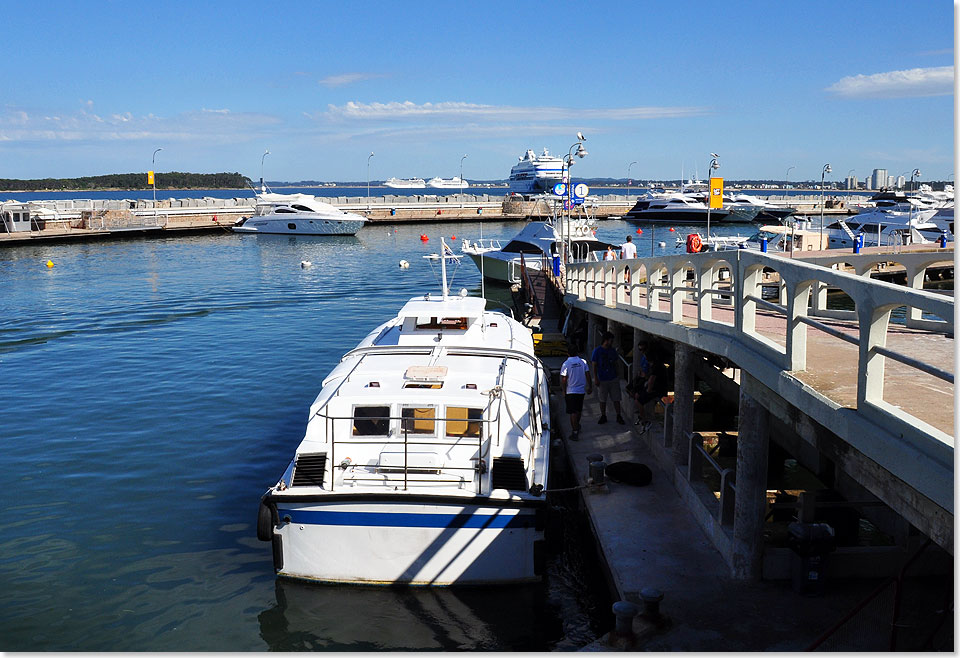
{"points": [[891, 181], [851, 183], [879, 179], [900, 181]]}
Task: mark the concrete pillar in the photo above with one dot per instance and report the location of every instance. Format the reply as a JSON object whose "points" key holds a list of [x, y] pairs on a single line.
{"points": [[684, 381], [753, 445]]}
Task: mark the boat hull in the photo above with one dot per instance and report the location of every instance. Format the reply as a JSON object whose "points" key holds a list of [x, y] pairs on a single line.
{"points": [[693, 216], [498, 267], [301, 226], [409, 542]]}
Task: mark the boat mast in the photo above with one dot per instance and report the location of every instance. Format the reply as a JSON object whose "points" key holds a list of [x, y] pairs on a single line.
{"points": [[443, 268]]}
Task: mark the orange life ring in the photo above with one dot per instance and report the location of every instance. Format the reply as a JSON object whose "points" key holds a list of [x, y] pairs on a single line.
{"points": [[694, 243]]}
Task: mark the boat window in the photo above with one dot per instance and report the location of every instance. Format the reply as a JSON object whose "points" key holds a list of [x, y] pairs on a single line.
{"points": [[521, 247], [284, 209], [441, 323], [419, 420], [423, 385], [292, 226], [463, 421], [302, 208], [371, 421]]}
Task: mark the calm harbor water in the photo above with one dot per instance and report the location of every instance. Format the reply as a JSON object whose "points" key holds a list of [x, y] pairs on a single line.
{"points": [[153, 388]]}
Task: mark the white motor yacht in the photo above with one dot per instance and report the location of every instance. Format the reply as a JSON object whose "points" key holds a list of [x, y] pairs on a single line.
{"points": [[674, 208], [886, 227], [534, 247], [298, 214], [425, 456]]}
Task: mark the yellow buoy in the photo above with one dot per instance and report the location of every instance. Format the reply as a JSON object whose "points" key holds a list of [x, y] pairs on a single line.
{"points": [[49, 263]]}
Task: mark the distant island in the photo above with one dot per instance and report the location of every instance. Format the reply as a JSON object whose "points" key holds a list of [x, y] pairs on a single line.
{"points": [[171, 180]]}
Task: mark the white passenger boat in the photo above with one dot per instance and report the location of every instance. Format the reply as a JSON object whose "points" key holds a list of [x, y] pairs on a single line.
{"points": [[425, 456], [534, 247], [298, 214], [405, 183], [535, 174], [448, 183]]}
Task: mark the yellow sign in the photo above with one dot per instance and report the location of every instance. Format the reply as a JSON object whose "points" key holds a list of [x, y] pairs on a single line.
{"points": [[716, 193], [149, 178]]}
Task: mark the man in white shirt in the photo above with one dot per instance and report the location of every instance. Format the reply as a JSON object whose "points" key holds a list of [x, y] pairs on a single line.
{"points": [[628, 249], [575, 381]]}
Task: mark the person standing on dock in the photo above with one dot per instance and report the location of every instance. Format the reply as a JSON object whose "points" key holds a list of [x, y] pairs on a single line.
{"points": [[606, 377], [628, 249], [575, 382]]}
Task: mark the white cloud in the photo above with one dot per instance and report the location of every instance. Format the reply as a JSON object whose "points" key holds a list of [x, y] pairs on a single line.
{"points": [[474, 111], [936, 81], [212, 126], [348, 78]]}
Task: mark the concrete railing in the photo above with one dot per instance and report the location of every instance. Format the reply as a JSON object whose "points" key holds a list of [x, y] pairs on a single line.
{"points": [[715, 302]]}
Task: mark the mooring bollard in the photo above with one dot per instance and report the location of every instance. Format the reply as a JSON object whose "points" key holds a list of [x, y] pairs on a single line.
{"points": [[651, 602], [858, 243], [594, 458], [763, 245], [943, 239], [624, 611], [596, 472]]}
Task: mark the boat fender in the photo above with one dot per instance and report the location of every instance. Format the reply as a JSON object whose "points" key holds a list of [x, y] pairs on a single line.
{"points": [[536, 490], [404, 265], [266, 520]]}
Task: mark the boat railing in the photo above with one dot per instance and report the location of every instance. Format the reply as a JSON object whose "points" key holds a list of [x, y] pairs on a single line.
{"points": [[386, 474]]}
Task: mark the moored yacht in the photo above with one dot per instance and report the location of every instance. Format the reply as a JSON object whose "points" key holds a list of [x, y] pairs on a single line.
{"points": [[674, 208], [534, 247], [425, 456], [883, 227], [298, 214]]}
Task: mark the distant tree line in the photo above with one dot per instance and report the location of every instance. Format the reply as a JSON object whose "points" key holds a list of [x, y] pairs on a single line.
{"points": [[165, 180]]}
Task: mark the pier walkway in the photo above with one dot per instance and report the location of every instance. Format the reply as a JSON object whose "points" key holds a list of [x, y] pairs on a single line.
{"points": [[850, 377], [648, 539]]}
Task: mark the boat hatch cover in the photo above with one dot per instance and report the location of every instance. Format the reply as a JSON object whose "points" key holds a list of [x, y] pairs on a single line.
{"points": [[426, 373]]}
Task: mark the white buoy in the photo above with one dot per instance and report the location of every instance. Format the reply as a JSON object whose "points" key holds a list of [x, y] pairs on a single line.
{"points": [[404, 265], [662, 244], [305, 264]]}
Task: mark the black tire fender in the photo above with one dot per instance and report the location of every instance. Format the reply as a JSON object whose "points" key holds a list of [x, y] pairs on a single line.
{"points": [[266, 520]]}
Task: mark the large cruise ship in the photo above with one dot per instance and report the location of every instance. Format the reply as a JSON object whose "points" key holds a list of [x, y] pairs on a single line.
{"points": [[535, 174], [448, 183], [405, 183]]}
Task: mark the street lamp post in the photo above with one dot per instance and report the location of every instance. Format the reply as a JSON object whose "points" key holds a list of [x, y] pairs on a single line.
{"points": [[461, 178], [263, 188], [368, 179], [629, 180], [826, 170], [153, 167], [916, 172], [714, 165], [581, 153], [787, 180]]}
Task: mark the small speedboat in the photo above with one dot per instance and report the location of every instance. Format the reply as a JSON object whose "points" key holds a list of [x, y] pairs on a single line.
{"points": [[298, 214], [425, 457]]}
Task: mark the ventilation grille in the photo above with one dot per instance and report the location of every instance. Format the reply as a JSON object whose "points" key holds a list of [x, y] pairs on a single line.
{"points": [[509, 473], [309, 469]]}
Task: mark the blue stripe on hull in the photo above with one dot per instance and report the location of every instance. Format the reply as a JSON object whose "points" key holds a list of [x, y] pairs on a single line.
{"points": [[401, 520]]}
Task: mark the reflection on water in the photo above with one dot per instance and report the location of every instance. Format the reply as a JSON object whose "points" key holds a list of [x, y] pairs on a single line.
{"points": [[310, 617]]}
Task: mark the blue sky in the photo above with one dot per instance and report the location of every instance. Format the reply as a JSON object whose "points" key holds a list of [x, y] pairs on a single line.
{"points": [[94, 87]]}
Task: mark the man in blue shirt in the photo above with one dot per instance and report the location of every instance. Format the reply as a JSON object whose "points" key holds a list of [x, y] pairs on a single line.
{"points": [[606, 376], [575, 382]]}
